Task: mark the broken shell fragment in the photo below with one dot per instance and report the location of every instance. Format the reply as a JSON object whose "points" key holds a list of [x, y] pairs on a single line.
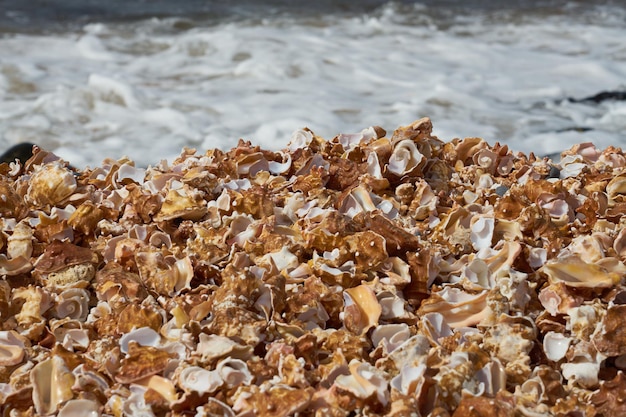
{"points": [[361, 309], [574, 272], [362, 275]]}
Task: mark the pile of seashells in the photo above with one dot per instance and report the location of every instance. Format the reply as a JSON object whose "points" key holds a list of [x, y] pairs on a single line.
{"points": [[364, 275]]}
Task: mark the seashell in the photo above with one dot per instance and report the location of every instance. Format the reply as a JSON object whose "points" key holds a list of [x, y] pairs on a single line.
{"points": [[459, 308], [392, 306], [163, 386], [435, 327], [15, 266], [410, 380], [141, 362], [390, 336], [361, 309], [80, 408], [537, 257], [36, 302], [616, 190], [364, 382], [200, 380], [65, 264], [468, 148], [611, 339], [164, 276], [20, 243], [72, 303], [143, 336], [486, 159], [86, 218], [584, 374], [555, 345], [11, 348], [481, 231], [234, 372], [50, 185], [607, 399], [574, 272], [491, 378], [405, 159], [571, 166], [128, 172], [183, 203], [214, 408], [52, 385], [282, 400], [72, 339], [300, 139], [619, 244], [211, 347], [11, 205]]}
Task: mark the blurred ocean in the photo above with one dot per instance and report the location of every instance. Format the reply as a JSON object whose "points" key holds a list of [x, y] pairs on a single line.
{"points": [[91, 79]]}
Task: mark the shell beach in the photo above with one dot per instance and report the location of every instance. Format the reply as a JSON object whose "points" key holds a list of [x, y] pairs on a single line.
{"points": [[372, 274]]}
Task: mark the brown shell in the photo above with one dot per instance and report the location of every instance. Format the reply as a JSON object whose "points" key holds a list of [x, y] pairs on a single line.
{"points": [[141, 362], [60, 255]]}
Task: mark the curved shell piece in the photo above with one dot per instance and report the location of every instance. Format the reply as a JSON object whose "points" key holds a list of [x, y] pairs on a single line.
{"points": [[144, 336], [405, 159], [390, 335], [364, 382], [11, 348], [200, 380], [574, 272], [11, 205], [163, 386], [611, 339], [182, 203], [72, 303], [50, 185], [481, 232], [234, 372], [80, 408], [361, 309], [459, 308], [20, 243], [555, 345], [52, 385]]}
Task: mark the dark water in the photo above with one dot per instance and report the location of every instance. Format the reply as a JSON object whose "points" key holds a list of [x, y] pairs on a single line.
{"points": [[40, 16]]}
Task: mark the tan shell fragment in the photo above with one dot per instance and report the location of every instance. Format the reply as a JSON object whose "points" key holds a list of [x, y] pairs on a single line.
{"points": [[142, 362], [52, 385], [11, 348], [275, 401], [11, 205], [184, 203], [611, 339], [459, 308], [574, 272], [365, 382], [361, 309], [50, 185]]}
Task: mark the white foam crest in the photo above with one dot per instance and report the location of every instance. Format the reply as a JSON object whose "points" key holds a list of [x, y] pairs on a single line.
{"points": [[145, 91]]}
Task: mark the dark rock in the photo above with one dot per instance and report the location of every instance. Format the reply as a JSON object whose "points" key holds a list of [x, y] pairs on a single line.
{"points": [[600, 97], [21, 151]]}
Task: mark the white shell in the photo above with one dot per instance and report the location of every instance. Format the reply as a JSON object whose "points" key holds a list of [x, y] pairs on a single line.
{"points": [[410, 379], [481, 232], [72, 303], [405, 158], [80, 408], [234, 372], [364, 381], [555, 345], [197, 379], [145, 336]]}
